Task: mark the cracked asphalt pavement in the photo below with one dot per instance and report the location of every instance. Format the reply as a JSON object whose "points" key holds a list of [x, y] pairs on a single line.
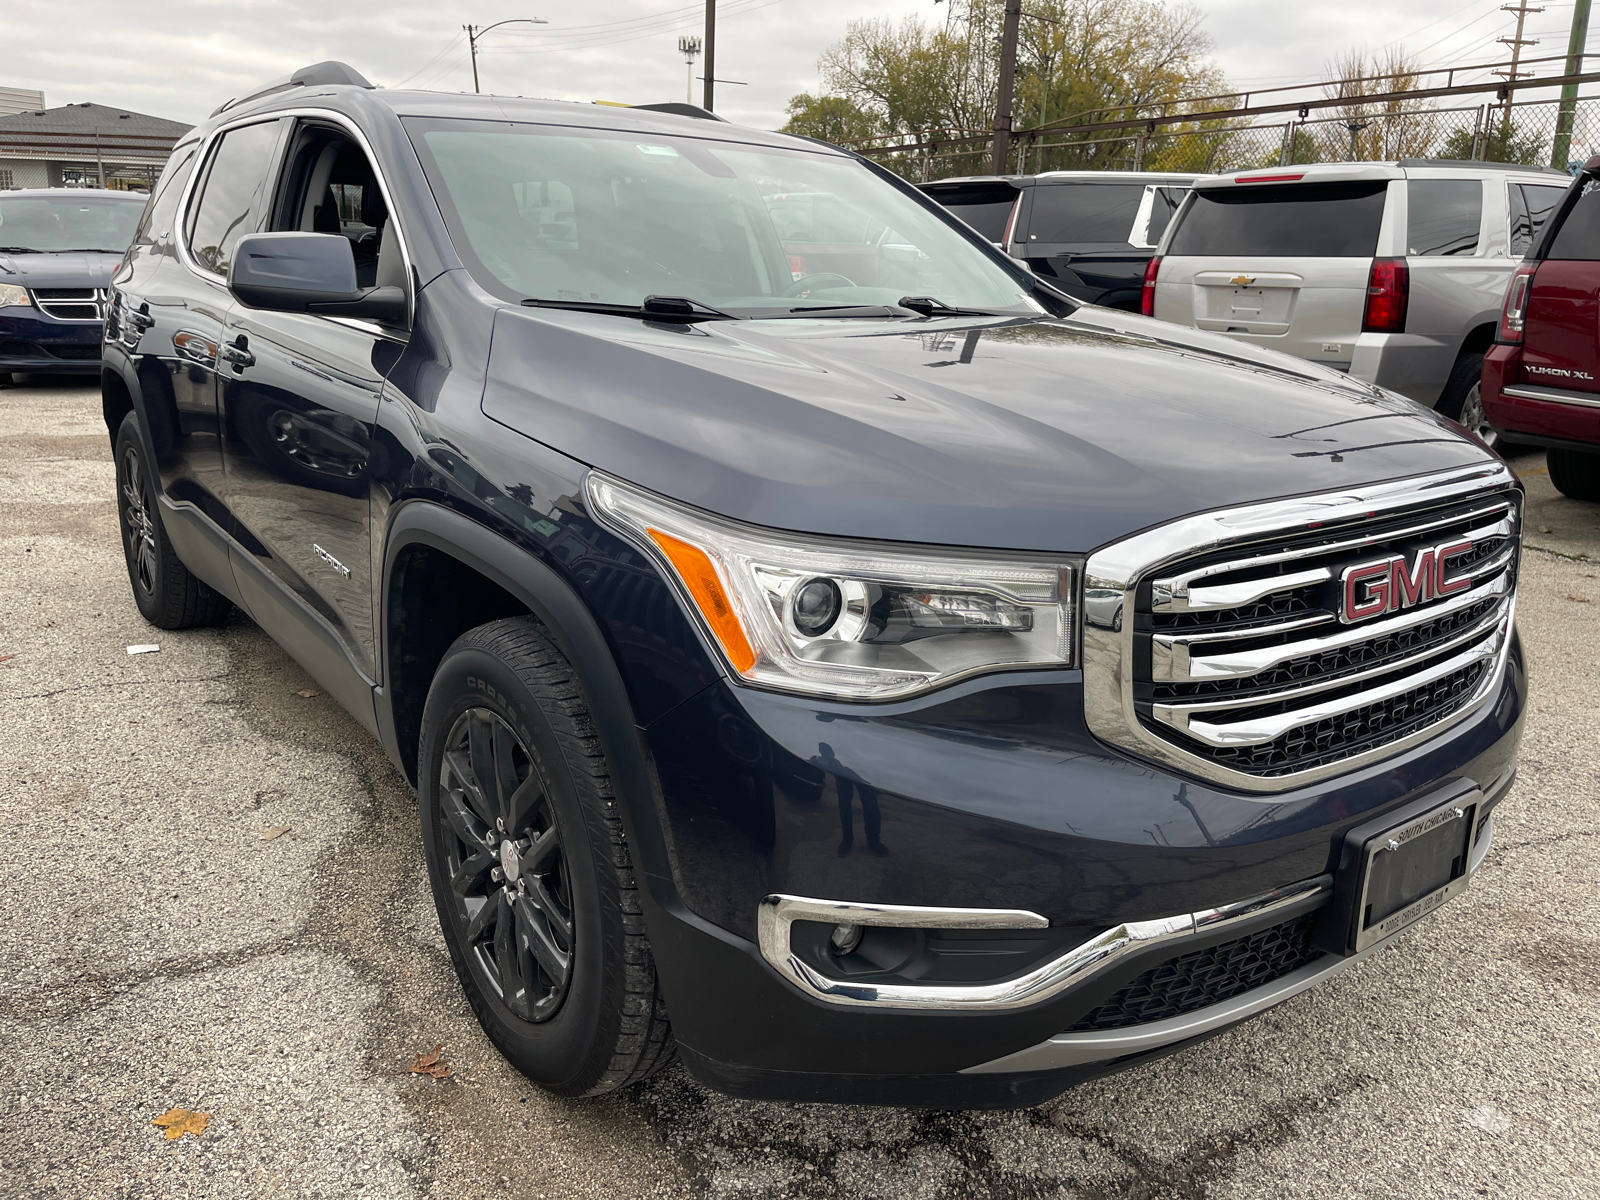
{"points": [[160, 952]]}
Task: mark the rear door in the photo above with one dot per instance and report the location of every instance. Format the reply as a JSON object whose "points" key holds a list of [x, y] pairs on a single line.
{"points": [[1080, 237], [1282, 265], [1561, 338]]}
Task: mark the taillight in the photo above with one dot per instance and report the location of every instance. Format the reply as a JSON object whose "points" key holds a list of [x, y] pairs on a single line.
{"points": [[1516, 305], [1388, 290], [1147, 296]]}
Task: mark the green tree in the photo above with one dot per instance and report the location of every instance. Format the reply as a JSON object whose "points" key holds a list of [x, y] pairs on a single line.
{"points": [[932, 82], [836, 119], [1505, 142]]}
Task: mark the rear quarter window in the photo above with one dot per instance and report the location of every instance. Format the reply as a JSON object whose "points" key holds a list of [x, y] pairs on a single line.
{"points": [[1084, 212], [986, 209], [1443, 215], [1531, 206], [1578, 236], [1301, 220]]}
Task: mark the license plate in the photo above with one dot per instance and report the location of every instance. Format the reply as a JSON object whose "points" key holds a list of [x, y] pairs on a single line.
{"points": [[1414, 868], [1392, 875]]}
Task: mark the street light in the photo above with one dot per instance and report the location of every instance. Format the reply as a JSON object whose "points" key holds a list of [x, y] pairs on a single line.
{"points": [[474, 33], [689, 47]]}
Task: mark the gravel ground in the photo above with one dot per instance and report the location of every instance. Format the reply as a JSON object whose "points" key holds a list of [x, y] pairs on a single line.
{"points": [[160, 952]]}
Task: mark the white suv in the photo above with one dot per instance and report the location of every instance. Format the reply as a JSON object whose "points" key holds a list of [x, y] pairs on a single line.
{"points": [[1391, 271]]}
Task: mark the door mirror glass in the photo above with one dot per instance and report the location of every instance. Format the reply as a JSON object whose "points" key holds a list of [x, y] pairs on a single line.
{"points": [[310, 273]]}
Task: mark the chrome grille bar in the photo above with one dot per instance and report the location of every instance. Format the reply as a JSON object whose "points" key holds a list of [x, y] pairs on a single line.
{"points": [[1177, 593], [1173, 659]]}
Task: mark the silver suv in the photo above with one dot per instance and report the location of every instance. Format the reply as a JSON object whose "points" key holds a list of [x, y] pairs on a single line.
{"points": [[1391, 271]]}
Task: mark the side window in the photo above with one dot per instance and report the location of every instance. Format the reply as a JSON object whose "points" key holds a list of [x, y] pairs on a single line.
{"points": [[235, 177], [1085, 212], [1578, 236], [330, 187], [163, 205], [1531, 206], [1444, 216]]}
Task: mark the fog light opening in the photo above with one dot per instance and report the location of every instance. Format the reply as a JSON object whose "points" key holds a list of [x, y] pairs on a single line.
{"points": [[845, 938]]}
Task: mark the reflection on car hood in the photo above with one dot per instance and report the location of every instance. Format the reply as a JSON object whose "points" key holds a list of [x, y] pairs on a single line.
{"points": [[1027, 433], [77, 270]]}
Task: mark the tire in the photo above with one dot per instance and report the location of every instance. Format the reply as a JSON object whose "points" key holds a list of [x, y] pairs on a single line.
{"points": [[1575, 472], [556, 964], [168, 594], [1462, 399]]}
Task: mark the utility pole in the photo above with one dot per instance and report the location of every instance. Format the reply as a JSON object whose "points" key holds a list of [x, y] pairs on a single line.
{"points": [[1562, 146], [711, 56], [1516, 43], [474, 32], [689, 47], [1008, 76]]}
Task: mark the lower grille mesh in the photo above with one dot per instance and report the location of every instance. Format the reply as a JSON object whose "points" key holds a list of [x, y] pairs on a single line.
{"points": [[1205, 977]]}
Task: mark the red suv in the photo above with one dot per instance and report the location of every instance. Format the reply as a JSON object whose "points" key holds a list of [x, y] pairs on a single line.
{"points": [[1541, 378]]}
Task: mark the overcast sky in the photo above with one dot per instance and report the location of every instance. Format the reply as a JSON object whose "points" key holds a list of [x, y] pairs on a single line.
{"points": [[180, 58]]}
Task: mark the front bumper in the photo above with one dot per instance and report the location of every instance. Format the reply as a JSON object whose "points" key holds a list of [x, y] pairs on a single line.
{"points": [[35, 344], [990, 795]]}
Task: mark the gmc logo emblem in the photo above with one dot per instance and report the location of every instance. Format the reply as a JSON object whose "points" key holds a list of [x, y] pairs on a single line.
{"points": [[1391, 584]]}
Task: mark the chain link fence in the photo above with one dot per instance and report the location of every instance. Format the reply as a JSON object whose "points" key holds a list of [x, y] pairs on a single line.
{"points": [[1522, 132]]}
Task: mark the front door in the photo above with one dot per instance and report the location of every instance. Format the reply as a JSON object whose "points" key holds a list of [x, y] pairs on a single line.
{"points": [[300, 397]]}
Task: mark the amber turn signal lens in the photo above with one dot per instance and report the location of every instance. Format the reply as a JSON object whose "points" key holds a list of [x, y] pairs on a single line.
{"points": [[699, 575]]}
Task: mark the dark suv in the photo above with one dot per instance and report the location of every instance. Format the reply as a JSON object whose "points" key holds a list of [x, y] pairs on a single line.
{"points": [[1090, 234], [925, 691]]}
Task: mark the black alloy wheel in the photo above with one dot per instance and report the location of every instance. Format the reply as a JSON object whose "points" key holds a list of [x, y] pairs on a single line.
{"points": [[507, 866], [168, 594], [138, 528], [532, 874]]}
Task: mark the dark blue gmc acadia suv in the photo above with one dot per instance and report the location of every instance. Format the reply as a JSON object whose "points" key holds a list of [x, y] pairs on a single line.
{"points": [[823, 651]]}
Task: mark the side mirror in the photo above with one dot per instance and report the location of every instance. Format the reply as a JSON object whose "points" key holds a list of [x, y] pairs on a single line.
{"points": [[309, 273]]}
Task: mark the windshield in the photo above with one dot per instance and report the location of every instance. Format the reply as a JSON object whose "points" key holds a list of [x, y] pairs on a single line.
{"points": [[605, 217], [49, 221]]}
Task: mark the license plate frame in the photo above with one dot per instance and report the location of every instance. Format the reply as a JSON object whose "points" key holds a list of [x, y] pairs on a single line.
{"points": [[1397, 869]]}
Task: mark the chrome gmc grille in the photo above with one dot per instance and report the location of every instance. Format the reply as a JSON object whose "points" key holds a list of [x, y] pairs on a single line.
{"points": [[1270, 646], [71, 304]]}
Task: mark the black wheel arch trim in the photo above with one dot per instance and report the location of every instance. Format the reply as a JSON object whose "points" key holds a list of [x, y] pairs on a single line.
{"points": [[577, 633]]}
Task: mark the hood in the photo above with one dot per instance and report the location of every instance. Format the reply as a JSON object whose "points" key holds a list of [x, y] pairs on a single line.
{"points": [[1029, 434], [74, 270]]}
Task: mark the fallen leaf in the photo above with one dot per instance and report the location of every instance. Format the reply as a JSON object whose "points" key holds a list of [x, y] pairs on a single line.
{"points": [[1544, 529], [272, 831], [179, 1121], [1579, 599], [150, 648], [7, 658], [48, 625], [427, 1064], [307, 693]]}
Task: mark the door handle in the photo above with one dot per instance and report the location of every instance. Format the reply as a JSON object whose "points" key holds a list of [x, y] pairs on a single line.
{"points": [[237, 355]]}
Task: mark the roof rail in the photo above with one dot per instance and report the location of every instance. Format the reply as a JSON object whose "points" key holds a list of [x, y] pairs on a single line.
{"points": [[679, 108], [1481, 165], [315, 75]]}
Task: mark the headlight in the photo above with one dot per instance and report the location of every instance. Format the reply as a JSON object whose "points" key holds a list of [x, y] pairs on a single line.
{"points": [[11, 293], [857, 621]]}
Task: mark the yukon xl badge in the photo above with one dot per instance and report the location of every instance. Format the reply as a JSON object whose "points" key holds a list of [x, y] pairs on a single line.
{"points": [[1391, 584]]}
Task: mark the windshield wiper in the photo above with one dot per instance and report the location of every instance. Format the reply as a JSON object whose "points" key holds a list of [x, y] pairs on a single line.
{"points": [[843, 310], [19, 250], [654, 308], [929, 306], [86, 250]]}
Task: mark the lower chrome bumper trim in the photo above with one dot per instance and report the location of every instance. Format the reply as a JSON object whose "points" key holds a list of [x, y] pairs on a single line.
{"points": [[1076, 1049]]}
